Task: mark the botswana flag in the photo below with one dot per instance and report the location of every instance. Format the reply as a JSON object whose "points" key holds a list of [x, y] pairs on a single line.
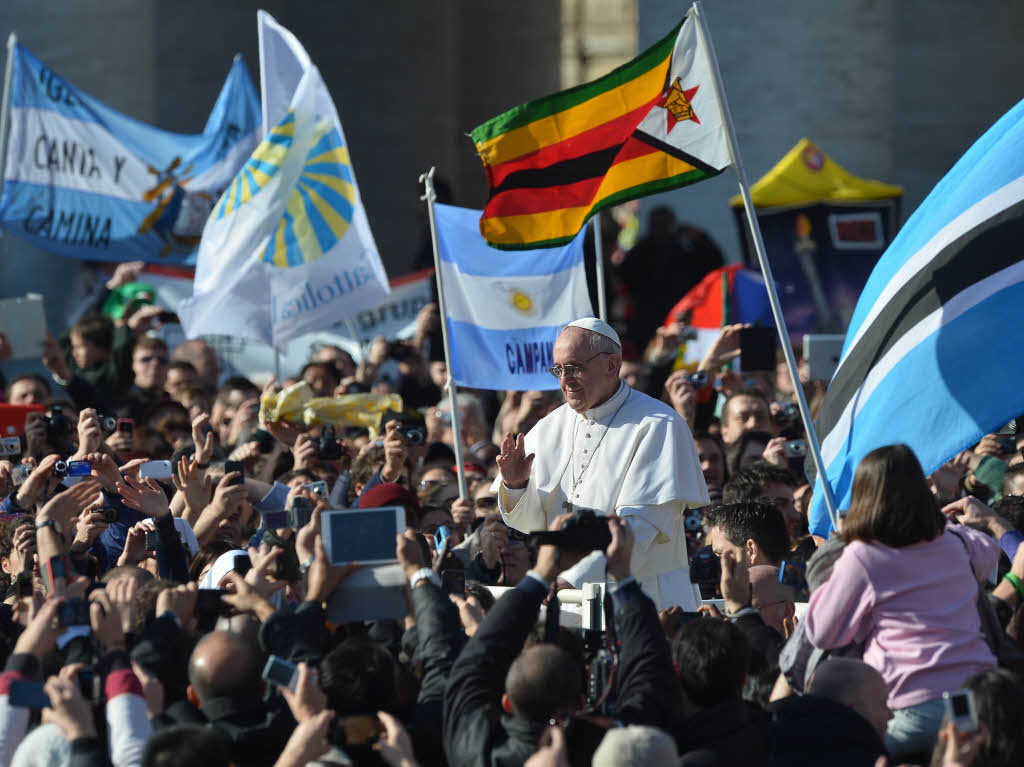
{"points": [[934, 355]]}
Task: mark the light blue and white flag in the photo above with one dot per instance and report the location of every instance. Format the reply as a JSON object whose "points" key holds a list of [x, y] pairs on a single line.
{"points": [[288, 247], [932, 357], [505, 309], [85, 181]]}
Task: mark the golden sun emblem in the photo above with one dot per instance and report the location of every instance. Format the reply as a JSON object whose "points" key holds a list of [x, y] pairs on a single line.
{"points": [[521, 301]]}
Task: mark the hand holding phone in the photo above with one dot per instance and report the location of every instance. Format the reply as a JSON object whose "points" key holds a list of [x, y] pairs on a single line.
{"points": [[155, 470], [758, 349], [960, 710], [281, 672], [28, 694], [235, 466]]}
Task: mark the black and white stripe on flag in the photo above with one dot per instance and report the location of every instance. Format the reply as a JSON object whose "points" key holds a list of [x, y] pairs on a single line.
{"points": [[933, 356]]}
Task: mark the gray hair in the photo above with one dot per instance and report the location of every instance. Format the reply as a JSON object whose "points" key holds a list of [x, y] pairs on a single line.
{"points": [[468, 403]]}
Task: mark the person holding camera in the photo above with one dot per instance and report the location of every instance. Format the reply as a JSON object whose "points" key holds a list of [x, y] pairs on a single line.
{"points": [[646, 469], [501, 697]]}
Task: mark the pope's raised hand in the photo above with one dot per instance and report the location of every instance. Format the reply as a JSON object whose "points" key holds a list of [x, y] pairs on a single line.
{"points": [[513, 463]]}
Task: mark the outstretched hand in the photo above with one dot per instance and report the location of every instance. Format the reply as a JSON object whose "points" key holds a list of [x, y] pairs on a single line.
{"points": [[513, 463]]}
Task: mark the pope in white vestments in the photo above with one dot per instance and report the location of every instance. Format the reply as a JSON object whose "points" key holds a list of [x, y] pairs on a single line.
{"points": [[612, 449]]}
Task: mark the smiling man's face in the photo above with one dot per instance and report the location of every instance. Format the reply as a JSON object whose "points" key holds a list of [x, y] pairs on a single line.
{"points": [[598, 374]]}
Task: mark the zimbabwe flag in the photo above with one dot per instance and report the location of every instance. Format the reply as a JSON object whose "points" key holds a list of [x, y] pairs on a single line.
{"points": [[651, 125]]}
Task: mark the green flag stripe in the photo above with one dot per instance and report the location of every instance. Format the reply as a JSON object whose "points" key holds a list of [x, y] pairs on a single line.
{"points": [[559, 102]]}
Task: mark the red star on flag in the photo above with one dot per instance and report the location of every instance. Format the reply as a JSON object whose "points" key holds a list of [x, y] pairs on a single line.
{"points": [[677, 105]]}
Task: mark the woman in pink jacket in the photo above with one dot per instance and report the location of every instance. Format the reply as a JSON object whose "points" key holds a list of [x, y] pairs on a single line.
{"points": [[906, 586]]}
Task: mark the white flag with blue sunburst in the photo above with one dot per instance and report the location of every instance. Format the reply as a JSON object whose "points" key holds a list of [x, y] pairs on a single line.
{"points": [[287, 248]]}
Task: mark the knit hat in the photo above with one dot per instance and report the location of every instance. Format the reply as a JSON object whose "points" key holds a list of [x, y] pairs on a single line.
{"points": [[635, 746], [390, 494], [597, 326]]}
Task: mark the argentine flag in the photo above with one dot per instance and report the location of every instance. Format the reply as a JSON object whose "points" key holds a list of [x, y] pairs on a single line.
{"points": [[505, 309], [287, 248], [932, 357], [85, 181]]}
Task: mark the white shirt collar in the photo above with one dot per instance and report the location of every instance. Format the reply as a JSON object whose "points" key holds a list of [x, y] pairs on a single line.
{"points": [[604, 410]]}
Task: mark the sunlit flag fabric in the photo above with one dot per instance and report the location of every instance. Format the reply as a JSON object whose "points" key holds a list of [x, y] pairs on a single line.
{"points": [[85, 181], [651, 125], [932, 356], [504, 311], [724, 296], [288, 247]]}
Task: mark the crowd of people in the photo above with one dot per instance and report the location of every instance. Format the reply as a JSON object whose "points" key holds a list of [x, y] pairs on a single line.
{"points": [[144, 593]]}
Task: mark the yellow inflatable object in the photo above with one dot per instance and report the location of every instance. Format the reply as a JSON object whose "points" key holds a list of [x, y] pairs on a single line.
{"points": [[296, 404]]}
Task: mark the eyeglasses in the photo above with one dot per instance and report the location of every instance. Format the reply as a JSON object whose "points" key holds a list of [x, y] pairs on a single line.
{"points": [[153, 358], [573, 371], [426, 483], [486, 503]]}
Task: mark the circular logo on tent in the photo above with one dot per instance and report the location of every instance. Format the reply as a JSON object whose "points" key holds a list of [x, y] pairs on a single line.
{"points": [[813, 158], [521, 301]]}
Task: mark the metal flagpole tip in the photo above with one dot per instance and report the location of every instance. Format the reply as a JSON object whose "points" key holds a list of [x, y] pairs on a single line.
{"points": [[427, 179]]}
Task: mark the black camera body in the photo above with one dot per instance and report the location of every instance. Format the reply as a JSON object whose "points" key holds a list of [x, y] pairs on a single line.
{"points": [[413, 435], [58, 426], [108, 423], [583, 532], [327, 447], [788, 414], [692, 521], [264, 439]]}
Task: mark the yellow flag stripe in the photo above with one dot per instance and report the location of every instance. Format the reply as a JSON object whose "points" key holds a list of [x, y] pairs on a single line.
{"points": [[571, 122]]}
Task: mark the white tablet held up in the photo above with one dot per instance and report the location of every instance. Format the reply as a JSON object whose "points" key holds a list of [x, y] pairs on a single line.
{"points": [[366, 536], [23, 321]]}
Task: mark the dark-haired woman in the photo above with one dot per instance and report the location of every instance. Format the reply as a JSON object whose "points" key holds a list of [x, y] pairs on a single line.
{"points": [[906, 585]]}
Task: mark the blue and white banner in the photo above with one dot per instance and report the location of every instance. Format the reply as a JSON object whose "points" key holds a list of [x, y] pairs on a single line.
{"points": [[505, 309], [932, 356], [85, 181], [288, 248]]}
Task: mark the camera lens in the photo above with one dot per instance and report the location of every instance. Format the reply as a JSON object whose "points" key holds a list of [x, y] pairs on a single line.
{"points": [[414, 435], [60, 468], [109, 423]]}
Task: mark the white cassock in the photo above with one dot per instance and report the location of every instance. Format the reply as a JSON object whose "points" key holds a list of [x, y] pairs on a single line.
{"points": [[632, 455]]}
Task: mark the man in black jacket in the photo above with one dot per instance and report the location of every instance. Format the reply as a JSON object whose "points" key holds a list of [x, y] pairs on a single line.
{"points": [[533, 686], [722, 729], [224, 682], [844, 715]]}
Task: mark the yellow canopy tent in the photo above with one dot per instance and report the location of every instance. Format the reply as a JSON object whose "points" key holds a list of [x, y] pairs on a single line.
{"points": [[824, 229], [806, 176]]}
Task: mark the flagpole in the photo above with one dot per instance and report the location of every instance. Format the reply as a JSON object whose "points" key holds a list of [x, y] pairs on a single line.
{"points": [[12, 40], [766, 271], [355, 337], [427, 179], [263, 78], [602, 309]]}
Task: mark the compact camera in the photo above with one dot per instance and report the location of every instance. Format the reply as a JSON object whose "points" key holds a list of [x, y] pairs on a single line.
{"points": [[327, 447]]}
